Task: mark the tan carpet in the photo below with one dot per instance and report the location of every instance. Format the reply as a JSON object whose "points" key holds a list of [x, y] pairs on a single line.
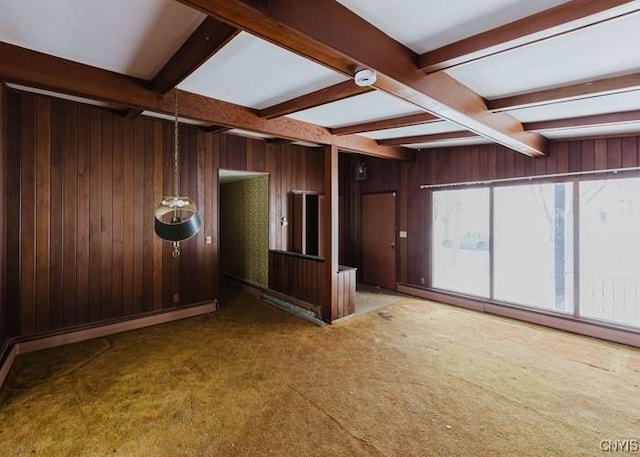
{"points": [[411, 379]]}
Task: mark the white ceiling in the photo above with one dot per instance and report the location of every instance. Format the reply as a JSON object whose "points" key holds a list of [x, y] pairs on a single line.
{"points": [[371, 106], [135, 38], [414, 130], [594, 131], [427, 25], [251, 72], [606, 49], [612, 103], [138, 37]]}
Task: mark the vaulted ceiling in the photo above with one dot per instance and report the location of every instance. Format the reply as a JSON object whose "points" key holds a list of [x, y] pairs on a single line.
{"points": [[449, 73]]}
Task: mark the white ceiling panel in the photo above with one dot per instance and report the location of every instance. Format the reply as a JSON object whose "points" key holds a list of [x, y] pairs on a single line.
{"points": [[613, 103], [251, 72], [135, 38], [630, 128], [423, 26], [449, 143], [371, 106], [581, 55], [430, 128]]}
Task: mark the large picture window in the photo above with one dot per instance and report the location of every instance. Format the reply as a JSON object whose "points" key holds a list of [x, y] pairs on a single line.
{"points": [[533, 245], [461, 241], [517, 244], [610, 250]]}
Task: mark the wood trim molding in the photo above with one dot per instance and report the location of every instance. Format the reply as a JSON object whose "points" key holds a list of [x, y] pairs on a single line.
{"points": [[541, 26], [568, 324], [584, 121], [427, 138], [627, 83], [403, 121], [320, 97], [301, 28], [19, 346]]}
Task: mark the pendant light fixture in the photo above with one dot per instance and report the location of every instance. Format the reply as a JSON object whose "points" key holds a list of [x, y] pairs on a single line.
{"points": [[177, 218]]}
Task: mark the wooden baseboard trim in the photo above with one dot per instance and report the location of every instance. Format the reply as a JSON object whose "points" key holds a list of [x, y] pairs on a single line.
{"points": [[19, 346], [565, 323]]}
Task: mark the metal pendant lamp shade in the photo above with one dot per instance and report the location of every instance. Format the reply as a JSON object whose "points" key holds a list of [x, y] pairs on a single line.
{"points": [[178, 228], [177, 218]]}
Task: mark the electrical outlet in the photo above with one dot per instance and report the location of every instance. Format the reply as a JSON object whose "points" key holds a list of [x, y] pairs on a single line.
{"points": [[402, 234], [208, 239]]}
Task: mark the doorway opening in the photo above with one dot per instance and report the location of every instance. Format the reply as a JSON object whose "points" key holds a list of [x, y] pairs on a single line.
{"points": [[244, 226]]}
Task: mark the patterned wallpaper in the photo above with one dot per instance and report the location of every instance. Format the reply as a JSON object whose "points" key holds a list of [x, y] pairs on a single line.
{"points": [[244, 229]]}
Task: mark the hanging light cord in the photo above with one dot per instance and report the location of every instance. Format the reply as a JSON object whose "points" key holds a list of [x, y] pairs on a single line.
{"points": [[176, 152]]}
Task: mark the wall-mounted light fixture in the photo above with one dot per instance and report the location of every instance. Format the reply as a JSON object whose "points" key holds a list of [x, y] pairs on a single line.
{"points": [[360, 171]]}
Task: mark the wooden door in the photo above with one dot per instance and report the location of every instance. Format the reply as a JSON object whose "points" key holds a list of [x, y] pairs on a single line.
{"points": [[378, 240]]}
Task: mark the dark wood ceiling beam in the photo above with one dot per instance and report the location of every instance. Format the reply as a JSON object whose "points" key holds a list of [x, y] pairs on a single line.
{"points": [[208, 38], [303, 27], [541, 26], [320, 97], [204, 42], [584, 121], [42, 71], [215, 129], [403, 121], [417, 139], [588, 89]]}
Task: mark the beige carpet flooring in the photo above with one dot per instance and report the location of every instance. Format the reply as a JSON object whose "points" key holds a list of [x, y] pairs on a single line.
{"points": [[414, 378]]}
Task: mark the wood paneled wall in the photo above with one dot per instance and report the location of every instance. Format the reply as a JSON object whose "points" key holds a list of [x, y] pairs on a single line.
{"points": [[383, 176], [464, 164], [3, 220], [303, 277], [82, 186]]}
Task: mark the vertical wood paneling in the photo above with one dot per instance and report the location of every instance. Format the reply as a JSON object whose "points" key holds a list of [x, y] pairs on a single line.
{"points": [[106, 219], [128, 210], [630, 151], [43, 211], [587, 153], [3, 208], [117, 218], [27, 214], [59, 215], [70, 211], [13, 205], [84, 184], [138, 216], [600, 154], [95, 216], [82, 215], [614, 153], [158, 167]]}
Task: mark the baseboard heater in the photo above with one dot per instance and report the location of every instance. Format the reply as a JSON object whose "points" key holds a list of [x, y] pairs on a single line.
{"points": [[23, 345], [539, 317]]}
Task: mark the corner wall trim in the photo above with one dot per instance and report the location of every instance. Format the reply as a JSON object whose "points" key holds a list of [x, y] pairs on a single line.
{"points": [[19, 345], [568, 324]]}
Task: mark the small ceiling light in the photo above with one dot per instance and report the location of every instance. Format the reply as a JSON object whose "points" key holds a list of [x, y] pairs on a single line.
{"points": [[365, 77]]}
